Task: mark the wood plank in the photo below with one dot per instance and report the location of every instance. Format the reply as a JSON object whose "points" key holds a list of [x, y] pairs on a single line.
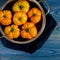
{"points": [[50, 48], [30, 58], [37, 58], [49, 51]]}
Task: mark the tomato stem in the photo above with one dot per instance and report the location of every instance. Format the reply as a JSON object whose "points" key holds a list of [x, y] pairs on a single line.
{"points": [[33, 14], [12, 29], [4, 16], [27, 30], [21, 7], [19, 19]]}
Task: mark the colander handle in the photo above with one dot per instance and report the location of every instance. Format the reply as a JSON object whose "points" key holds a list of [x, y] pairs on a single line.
{"points": [[46, 5]]}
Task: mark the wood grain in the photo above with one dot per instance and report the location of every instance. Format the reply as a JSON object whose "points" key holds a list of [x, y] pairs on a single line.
{"points": [[50, 50]]}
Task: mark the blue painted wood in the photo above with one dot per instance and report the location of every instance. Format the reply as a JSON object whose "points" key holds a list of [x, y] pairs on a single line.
{"points": [[49, 51], [29, 58]]}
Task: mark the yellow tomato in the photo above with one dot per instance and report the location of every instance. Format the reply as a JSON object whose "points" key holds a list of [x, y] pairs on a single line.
{"points": [[21, 5], [19, 18]]}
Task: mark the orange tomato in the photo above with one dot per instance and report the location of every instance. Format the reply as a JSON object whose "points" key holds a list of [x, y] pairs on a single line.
{"points": [[6, 21], [12, 31], [28, 30], [35, 15], [5, 17]]}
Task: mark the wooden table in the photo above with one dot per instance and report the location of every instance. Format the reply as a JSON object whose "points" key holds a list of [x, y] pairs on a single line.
{"points": [[51, 48]]}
